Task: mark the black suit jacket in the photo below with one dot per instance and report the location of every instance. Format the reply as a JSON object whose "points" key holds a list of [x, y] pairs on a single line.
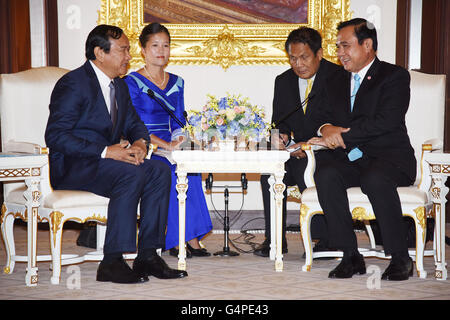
{"points": [[79, 126], [377, 122], [287, 98]]}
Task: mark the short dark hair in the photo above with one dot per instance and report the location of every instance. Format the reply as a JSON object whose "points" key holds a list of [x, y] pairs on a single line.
{"points": [[305, 35], [151, 29], [99, 37], [363, 30]]}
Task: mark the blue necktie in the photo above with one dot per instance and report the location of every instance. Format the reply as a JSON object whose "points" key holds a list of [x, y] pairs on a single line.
{"points": [[355, 153], [357, 78]]}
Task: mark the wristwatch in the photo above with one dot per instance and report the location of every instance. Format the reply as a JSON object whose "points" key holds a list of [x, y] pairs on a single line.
{"points": [[146, 142]]}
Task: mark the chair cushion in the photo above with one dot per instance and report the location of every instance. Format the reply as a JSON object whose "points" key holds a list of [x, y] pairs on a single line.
{"points": [[408, 195], [60, 199]]}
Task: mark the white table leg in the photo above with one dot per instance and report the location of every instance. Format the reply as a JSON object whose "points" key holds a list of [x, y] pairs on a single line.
{"points": [[32, 196], [182, 186], [272, 251], [439, 192], [279, 188]]}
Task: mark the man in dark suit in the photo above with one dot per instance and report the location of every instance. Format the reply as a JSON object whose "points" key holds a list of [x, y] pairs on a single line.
{"points": [[365, 128], [90, 112], [302, 82]]}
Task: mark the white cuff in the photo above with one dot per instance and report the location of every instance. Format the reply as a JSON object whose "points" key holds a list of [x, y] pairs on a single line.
{"points": [[319, 134]]}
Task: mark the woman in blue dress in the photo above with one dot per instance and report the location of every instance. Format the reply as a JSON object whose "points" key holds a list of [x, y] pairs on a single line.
{"points": [[166, 133]]}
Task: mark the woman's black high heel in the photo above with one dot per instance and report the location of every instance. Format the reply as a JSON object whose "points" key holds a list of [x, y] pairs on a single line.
{"points": [[197, 252], [174, 252]]}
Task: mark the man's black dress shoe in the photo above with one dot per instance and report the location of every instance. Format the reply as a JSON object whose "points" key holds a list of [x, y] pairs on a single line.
{"points": [[398, 270], [118, 271], [157, 267], [202, 252], [348, 267], [264, 249]]}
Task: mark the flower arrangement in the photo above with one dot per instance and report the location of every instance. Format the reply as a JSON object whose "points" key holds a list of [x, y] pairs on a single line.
{"points": [[230, 117]]}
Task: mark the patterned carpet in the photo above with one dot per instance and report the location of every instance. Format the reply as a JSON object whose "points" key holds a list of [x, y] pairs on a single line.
{"points": [[245, 277]]}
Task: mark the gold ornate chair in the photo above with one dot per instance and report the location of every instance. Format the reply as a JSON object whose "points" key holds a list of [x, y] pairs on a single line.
{"points": [[425, 123], [24, 101]]}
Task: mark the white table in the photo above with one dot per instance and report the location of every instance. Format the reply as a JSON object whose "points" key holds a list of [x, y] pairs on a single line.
{"points": [[27, 168], [440, 170], [263, 161]]}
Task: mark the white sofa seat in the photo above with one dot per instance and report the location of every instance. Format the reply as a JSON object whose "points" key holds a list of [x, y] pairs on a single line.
{"points": [[61, 199], [357, 197]]}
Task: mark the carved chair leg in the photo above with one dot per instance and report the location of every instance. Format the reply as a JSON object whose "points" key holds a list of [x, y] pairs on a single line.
{"points": [[373, 244], [420, 247], [56, 227], [8, 238], [305, 228], [101, 232]]}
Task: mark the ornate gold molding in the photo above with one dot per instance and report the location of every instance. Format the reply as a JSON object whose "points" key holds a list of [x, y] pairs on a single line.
{"points": [[226, 44], [56, 219], [3, 213], [294, 192], [96, 217], [303, 213], [360, 213], [421, 217]]}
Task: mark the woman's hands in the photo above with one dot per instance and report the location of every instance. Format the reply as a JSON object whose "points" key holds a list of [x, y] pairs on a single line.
{"points": [[173, 145]]}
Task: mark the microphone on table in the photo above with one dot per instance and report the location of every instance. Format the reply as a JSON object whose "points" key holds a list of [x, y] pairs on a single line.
{"points": [[304, 102], [209, 182], [244, 181], [185, 115], [151, 94]]}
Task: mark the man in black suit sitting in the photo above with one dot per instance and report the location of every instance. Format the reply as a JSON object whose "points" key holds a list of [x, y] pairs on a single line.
{"points": [[302, 82], [364, 126]]}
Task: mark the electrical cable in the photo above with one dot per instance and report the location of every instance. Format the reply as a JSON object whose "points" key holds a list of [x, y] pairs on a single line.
{"points": [[235, 218]]}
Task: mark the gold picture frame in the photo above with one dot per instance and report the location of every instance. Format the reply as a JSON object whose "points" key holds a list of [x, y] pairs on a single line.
{"points": [[226, 44]]}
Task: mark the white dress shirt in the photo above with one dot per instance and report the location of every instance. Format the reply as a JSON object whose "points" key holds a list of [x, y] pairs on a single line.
{"points": [[302, 85], [104, 82], [362, 74]]}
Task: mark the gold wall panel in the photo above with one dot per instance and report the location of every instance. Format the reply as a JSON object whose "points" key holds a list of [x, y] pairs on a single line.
{"points": [[226, 44]]}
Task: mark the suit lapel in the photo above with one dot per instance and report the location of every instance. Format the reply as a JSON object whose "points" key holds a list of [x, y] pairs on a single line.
{"points": [[366, 85], [342, 91], [121, 108], [97, 97], [318, 83], [293, 82], [294, 97]]}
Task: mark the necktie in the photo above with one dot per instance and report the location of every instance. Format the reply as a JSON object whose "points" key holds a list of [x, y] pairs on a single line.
{"points": [[113, 105], [355, 153], [357, 83], [307, 91]]}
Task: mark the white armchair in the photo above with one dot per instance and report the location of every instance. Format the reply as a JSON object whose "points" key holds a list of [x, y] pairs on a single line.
{"points": [[425, 123], [24, 101]]}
